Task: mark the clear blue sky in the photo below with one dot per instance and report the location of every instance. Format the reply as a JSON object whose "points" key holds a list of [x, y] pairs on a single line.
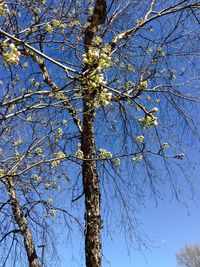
{"points": [[169, 226]]}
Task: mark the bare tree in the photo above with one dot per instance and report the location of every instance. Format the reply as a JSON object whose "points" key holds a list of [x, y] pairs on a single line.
{"points": [[189, 256], [95, 101]]}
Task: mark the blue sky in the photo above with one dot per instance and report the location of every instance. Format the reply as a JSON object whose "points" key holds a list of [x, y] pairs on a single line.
{"points": [[168, 226]]}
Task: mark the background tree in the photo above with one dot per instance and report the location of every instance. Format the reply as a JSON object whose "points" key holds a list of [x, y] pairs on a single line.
{"points": [[189, 256], [95, 99]]}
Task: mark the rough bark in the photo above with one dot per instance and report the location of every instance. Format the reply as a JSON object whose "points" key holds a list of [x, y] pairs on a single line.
{"points": [[98, 17], [91, 191], [89, 169], [20, 220]]}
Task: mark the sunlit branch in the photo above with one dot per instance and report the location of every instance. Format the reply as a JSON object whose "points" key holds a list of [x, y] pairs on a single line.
{"points": [[19, 41]]}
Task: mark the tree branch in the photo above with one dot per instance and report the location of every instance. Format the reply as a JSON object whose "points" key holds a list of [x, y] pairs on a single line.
{"points": [[162, 13], [19, 41]]}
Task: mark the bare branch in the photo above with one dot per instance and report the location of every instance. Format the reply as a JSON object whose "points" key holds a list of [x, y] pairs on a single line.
{"points": [[19, 41]]}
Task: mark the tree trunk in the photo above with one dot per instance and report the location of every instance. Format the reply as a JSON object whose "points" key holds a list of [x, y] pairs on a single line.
{"points": [[20, 219], [91, 189]]}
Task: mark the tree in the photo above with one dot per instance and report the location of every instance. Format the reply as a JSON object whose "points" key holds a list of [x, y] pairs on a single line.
{"points": [[189, 256], [91, 93]]}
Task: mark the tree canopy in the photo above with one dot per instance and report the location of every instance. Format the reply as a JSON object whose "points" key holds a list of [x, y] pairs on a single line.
{"points": [[189, 256], [98, 102]]}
